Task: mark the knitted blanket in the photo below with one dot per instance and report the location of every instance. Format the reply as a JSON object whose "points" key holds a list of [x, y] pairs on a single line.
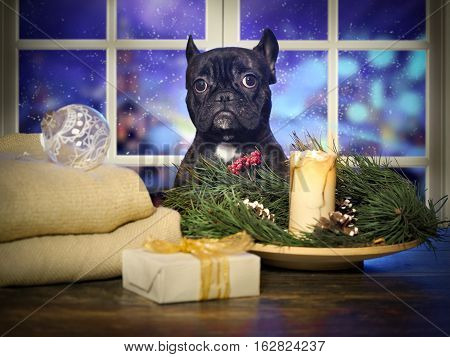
{"points": [[40, 198], [72, 258]]}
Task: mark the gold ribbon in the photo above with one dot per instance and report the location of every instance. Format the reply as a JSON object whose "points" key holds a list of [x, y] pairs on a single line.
{"points": [[212, 253]]}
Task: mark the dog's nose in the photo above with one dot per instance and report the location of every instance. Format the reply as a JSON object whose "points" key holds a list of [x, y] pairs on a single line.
{"points": [[224, 97]]}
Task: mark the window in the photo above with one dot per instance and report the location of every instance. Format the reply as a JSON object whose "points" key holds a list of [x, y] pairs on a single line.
{"points": [[364, 75]]}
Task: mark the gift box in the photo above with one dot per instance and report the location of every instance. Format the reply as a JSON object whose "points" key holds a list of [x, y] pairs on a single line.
{"points": [[182, 277]]}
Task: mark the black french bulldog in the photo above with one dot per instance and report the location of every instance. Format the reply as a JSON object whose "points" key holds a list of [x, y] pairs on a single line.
{"points": [[229, 102]]}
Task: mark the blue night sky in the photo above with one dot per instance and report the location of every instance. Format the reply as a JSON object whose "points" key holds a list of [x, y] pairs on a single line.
{"points": [[381, 19], [49, 80], [382, 102], [66, 19], [289, 19], [161, 19]]}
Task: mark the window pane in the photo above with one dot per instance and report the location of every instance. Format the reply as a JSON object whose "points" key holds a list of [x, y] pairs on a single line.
{"points": [[381, 19], [152, 114], [49, 80], [382, 102], [299, 98], [161, 19], [417, 176], [288, 19], [157, 179], [68, 19]]}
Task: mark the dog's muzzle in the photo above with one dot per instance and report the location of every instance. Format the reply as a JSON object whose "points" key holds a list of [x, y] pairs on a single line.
{"points": [[225, 121]]}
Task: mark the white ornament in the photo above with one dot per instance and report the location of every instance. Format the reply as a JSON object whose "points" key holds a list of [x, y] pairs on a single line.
{"points": [[76, 135]]}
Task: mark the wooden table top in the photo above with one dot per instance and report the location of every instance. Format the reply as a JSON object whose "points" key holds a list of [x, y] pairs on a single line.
{"points": [[403, 295]]}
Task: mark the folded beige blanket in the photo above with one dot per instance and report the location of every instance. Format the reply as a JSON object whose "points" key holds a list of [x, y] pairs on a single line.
{"points": [[72, 258], [38, 197]]}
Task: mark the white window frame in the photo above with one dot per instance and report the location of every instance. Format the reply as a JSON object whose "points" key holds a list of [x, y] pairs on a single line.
{"points": [[446, 109], [222, 29]]}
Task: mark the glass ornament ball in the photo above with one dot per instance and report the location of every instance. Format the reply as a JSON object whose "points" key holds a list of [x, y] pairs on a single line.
{"points": [[76, 135]]}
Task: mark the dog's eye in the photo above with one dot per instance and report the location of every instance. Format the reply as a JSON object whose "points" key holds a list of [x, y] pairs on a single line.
{"points": [[200, 85], [249, 81]]}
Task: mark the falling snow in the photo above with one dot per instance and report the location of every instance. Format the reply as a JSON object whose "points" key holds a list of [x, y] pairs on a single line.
{"points": [[58, 19], [382, 19], [382, 102], [50, 80], [161, 19], [289, 19], [151, 95], [299, 96]]}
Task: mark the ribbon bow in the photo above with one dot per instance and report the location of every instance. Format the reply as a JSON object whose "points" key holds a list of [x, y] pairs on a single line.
{"points": [[212, 253]]}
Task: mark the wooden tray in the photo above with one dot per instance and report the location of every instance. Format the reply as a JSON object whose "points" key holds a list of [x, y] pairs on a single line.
{"points": [[300, 258]]}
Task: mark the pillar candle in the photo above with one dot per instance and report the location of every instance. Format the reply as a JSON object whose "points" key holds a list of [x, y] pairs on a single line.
{"points": [[312, 188]]}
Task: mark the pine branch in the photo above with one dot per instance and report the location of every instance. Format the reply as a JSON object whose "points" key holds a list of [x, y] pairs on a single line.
{"points": [[387, 202], [216, 218], [262, 184]]}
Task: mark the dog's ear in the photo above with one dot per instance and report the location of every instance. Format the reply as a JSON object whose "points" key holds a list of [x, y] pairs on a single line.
{"points": [[268, 48], [191, 49]]}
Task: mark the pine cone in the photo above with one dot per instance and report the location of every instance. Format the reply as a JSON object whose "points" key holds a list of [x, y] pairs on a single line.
{"points": [[259, 210], [342, 220]]}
